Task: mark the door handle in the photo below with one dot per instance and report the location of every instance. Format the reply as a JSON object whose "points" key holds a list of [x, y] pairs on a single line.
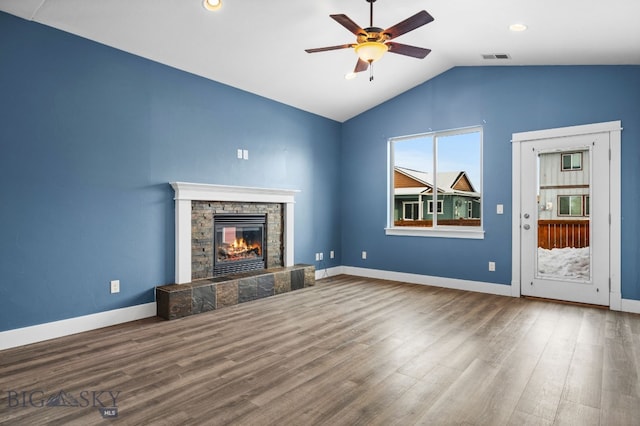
{"points": [[526, 226]]}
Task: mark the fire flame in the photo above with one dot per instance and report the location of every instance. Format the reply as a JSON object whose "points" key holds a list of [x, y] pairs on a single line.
{"points": [[239, 247]]}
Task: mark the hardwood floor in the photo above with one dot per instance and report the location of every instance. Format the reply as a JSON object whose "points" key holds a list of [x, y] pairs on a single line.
{"points": [[349, 351]]}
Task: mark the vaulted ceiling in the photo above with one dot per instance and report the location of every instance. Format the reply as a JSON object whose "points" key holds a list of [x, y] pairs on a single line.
{"points": [[259, 46]]}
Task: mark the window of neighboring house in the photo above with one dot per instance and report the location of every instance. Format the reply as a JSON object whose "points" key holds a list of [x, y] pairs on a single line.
{"points": [[570, 205], [587, 200], [447, 163], [410, 210], [571, 161], [430, 207]]}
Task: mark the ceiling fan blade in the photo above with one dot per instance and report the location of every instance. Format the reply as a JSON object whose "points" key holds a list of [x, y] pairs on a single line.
{"points": [[419, 19], [346, 22], [324, 49], [361, 66], [405, 49]]}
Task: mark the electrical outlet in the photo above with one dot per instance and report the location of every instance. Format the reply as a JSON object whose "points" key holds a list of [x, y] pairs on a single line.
{"points": [[492, 266], [239, 153], [321, 256], [364, 255], [331, 254], [115, 286], [317, 257]]}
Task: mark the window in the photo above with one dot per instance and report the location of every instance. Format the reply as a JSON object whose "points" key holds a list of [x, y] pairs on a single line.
{"points": [[571, 161], [572, 205], [587, 200], [442, 166], [410, 211], [430, 207]]}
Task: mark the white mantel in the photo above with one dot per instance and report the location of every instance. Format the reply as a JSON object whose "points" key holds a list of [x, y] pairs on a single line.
{"points": [[186, 192]]}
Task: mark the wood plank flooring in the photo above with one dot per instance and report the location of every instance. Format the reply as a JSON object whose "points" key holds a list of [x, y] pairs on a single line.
{"points": [[349, 351]]}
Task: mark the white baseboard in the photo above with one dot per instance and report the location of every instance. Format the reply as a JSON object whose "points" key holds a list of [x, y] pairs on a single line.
{"points": [[477, 286], [41, 332], [328, 272], [617, 304], [51, 330], [629, 305]]}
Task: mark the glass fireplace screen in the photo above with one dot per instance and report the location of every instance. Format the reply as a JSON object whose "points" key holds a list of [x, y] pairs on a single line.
{"points": [[238, 243]]}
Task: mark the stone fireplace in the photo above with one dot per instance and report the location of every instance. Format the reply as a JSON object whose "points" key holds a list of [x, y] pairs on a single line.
{"points": [[196, 206], [233, 245], [230, 237]]}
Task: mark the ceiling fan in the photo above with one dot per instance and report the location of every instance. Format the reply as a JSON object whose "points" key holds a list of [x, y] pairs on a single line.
{"points": [[372, 42]]}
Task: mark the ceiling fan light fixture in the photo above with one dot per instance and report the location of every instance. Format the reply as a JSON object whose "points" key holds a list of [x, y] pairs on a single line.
{"points": [[212, 5], [371, 51]]}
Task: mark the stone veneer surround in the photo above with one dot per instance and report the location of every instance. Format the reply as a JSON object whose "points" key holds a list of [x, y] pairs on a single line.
{"points": [[186, 193], [202, 218]]}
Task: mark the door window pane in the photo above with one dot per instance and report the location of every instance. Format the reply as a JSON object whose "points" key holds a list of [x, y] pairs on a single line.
{"points": [[563, 228]]}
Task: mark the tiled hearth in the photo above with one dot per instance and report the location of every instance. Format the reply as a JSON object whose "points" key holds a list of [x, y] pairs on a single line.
{"points": [[181, 300]]}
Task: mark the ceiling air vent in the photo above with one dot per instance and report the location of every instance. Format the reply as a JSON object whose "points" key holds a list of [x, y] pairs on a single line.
{"points": [[496, 56]]}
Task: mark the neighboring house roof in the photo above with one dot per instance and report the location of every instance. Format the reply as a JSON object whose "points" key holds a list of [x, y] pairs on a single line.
{"points": [[415, 182]]}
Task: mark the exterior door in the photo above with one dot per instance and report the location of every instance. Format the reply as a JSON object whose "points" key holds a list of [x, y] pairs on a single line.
{"points": [[564, 218]]}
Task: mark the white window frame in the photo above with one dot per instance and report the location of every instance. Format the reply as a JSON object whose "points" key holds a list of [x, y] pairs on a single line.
{"points": [[404, 209], [571, 197], [469, 232], [440, 207], [573, 155], [584, 203]]}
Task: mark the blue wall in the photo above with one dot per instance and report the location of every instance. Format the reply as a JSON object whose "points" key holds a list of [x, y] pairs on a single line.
{"points": [[90, 138], [504, 100]]}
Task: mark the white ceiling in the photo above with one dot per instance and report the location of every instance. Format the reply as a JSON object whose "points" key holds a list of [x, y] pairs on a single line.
{"points": [[258, 46]]}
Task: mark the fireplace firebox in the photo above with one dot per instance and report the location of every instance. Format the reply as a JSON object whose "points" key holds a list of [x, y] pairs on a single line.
{"points": [[238, 243]]}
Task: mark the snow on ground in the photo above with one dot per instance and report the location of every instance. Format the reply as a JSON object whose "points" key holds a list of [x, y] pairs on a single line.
{"points": [[571, 263]]}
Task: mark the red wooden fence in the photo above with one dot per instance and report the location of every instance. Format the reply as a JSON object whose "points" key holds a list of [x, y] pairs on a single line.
{"points": [[563, 233], [441, 222]]}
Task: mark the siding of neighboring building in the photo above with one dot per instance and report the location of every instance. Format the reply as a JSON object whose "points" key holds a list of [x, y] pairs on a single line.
{"points": [[555, 182]]}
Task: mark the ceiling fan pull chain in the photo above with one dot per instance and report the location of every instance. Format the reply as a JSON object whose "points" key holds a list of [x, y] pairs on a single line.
{"points": [[371, 71]]}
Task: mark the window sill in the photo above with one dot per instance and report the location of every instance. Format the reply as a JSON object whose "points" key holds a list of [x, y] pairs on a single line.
{"points": [[442, 232]]}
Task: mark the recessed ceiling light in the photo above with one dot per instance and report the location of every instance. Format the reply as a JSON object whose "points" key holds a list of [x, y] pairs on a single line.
{"points": [[212, 4], [517, 27]]}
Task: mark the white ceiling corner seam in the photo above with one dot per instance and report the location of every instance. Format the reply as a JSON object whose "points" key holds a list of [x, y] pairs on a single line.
{"points": [[37, 9]]}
